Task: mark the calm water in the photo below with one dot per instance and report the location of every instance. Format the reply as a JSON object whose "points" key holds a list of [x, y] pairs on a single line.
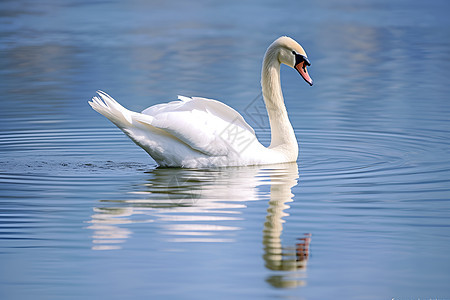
{"points": [[363, 214]]}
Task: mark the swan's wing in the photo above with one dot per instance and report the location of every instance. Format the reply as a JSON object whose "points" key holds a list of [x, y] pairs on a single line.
{"points": [[214, 107], [206, 125]]}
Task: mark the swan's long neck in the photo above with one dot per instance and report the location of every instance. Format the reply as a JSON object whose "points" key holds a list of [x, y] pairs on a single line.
{"points": [[282, 133]]}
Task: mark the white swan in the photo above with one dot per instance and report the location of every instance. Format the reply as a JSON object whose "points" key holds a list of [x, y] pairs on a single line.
{"points": [[202, 133]]}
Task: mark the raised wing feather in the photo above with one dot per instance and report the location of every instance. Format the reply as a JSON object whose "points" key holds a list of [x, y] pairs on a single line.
{"points": [[201, 123]]}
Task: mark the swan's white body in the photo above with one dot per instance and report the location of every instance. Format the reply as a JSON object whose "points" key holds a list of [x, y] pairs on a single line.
{"points": [[202, 133]]}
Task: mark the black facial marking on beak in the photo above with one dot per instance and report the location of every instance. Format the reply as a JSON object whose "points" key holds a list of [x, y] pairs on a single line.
{"points": [[300, 58], [301, 62]]}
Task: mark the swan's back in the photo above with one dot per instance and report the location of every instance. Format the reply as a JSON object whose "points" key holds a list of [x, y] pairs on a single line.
{"points": [[189, 104]]}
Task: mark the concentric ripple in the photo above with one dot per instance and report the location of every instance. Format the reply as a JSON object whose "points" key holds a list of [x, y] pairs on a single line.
{"points": [[345, 153]]}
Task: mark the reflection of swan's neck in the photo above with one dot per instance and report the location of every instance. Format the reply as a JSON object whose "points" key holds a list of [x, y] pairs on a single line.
{"points": [[276, 256], [273, 228], [281, 129]]}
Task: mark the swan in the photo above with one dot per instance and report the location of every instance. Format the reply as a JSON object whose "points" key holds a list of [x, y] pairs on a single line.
{"points": [[194, 132]]}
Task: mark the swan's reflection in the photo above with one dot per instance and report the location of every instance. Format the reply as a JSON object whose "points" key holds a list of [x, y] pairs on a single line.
{"points": [[205, 206], [182, 200]]}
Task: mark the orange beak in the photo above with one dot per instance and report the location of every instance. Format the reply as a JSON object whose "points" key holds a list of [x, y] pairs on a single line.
{"points": [[301, 68]]}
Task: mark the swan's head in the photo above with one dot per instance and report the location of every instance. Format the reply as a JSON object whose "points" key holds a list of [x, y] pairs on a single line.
{"points": [[292, 54]]}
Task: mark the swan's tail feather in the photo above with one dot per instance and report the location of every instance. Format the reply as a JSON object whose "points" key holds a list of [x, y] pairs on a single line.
{"points": [[110, 108]]}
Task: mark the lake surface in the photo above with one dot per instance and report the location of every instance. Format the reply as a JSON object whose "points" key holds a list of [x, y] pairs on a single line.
{"points": [[363, 214]]}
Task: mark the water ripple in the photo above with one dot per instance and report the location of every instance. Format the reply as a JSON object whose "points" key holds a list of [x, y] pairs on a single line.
{"points": [[335, 154], [345, 176]]}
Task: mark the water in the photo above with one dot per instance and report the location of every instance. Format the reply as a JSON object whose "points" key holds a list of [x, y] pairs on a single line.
{"points": [[363, 214]]}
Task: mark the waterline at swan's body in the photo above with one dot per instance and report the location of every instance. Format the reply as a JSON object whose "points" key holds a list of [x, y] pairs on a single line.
{"points": [[202, 133]]}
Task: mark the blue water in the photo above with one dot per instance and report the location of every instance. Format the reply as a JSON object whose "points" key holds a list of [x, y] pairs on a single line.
{"points": [[363, 214]]}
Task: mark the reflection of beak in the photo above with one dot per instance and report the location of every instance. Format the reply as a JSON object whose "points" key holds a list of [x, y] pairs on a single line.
{"points": [[301, 68]]}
